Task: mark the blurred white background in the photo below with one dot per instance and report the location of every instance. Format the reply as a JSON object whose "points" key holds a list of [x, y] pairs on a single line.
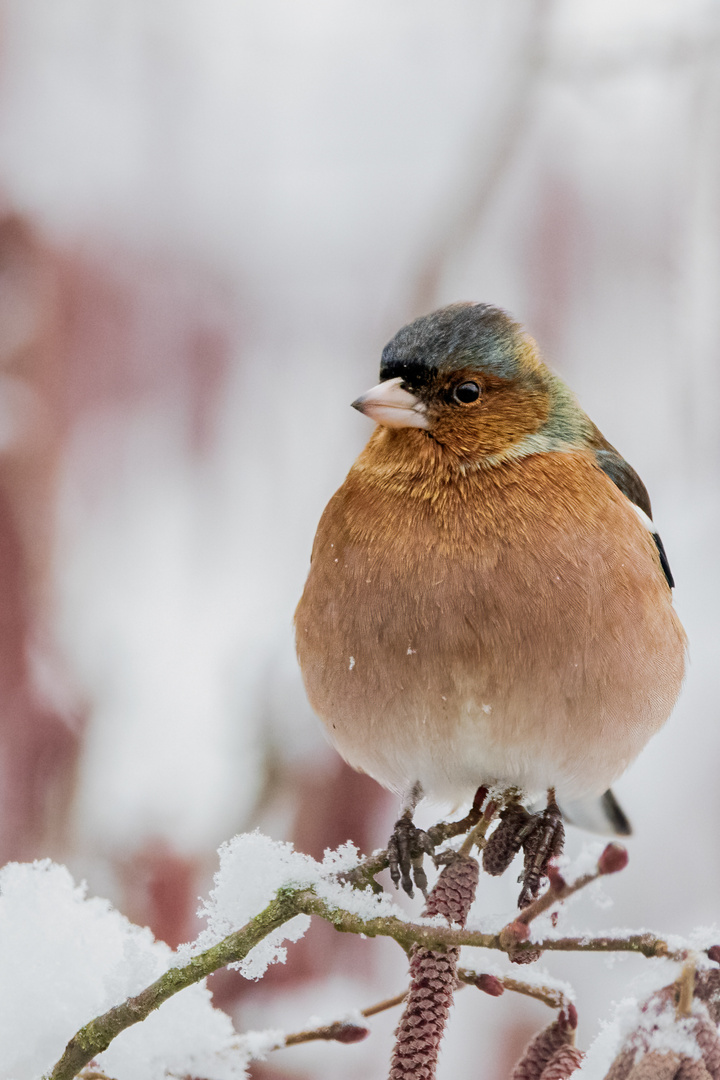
{"points": [[214, 215]]}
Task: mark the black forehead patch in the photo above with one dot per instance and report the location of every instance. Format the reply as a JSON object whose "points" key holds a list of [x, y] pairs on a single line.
{"points": [[460, 336], [415, 372]]}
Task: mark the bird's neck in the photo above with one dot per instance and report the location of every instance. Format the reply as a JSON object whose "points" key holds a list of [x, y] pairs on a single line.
{"points": [[405, 457]]}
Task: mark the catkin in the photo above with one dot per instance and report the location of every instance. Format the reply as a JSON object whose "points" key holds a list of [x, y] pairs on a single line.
{"points": [[433, 976]]}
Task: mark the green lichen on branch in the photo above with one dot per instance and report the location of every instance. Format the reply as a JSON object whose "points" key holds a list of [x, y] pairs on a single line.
{"points": [[444, 937]]}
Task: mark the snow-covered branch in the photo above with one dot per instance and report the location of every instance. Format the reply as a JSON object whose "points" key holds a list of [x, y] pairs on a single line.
{"points": [[96, 1036], [272, 891]]}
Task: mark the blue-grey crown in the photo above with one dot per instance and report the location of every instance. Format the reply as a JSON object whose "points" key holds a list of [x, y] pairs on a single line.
{"points": [[463, 335]]}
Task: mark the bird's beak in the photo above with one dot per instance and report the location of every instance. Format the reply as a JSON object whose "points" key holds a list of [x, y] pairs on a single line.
{"points": [[388, 404]]}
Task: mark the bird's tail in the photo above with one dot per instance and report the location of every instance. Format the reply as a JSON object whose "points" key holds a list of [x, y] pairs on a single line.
{"points": [[603, 815]]}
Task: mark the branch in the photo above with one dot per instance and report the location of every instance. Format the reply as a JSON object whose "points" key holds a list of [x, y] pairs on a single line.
{"points": [[613, 859], [444, 937], [513, 940], [495, 985], [96, 1036], [344, 1030]]}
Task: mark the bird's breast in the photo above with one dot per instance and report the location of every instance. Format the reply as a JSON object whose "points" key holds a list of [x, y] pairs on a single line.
{"points": [[513, 620]]}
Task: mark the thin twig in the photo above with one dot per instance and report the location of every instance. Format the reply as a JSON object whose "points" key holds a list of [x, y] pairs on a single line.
{"points": [[686, 987], [329, 1032], [643, 944], [554, 895], [338, 1028], [613, 859], [555, 999], [476, 836], [381, 1006]]}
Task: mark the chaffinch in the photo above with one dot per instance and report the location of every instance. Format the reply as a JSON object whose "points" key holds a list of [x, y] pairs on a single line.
{"points": [[488, 600]]}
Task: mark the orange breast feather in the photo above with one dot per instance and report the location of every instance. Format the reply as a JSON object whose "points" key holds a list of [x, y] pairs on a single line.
{"points": [[507, 624]]}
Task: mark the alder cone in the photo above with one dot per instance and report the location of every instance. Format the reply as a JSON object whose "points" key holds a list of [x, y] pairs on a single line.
{"points": [[525, 956]]}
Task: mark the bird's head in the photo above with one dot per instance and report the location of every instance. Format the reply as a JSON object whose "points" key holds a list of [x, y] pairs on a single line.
{"points": [[472, 380]]}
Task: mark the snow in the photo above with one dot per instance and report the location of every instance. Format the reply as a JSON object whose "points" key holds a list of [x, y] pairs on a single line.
{"points": [[252, 869], [663, 1033], [658, 1022], [258, 1044], [67, 958]]}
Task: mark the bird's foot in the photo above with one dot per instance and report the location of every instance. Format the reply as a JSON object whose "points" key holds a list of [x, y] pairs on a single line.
{"points": [[406, 849], [541, 836], [545, 840]]}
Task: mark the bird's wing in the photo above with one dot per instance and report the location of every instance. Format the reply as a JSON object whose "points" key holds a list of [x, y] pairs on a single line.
{"points": [[624, 476], [627, 480]]}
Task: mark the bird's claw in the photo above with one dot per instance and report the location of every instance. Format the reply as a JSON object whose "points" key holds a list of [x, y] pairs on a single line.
{"points": [[542, 844], [541, 836], [406, 848]]}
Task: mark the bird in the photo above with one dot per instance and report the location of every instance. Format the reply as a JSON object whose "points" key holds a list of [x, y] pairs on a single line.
{"points": [[488, 600]]}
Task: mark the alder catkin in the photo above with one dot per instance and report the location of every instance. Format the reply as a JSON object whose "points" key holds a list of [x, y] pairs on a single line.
{"points": [[540, 1051], [692, 1069], [636, 1061], [708, 1040], [658, 1065], [622, 1065], [504, 844], [563, 1063], [454, 890], [433, 977]]}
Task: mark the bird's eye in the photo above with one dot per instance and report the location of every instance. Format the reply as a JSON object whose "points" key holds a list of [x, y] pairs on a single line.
{"points": [[466, 393]]}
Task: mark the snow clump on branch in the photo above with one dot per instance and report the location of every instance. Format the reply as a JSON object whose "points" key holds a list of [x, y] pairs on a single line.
{"points": [[252, 870]]}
